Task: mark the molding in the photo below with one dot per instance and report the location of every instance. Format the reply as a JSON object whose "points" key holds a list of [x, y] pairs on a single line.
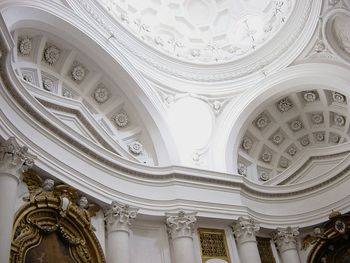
{"points": [[155, 190]]}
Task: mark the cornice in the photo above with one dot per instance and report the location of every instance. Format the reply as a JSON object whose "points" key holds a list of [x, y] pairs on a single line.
{"points": [[21, 102]]}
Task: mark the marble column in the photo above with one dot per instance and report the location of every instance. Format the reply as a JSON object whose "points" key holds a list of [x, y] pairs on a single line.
{"points": [[180, 229], [118, 220], [285, 239], [244, 231], [14, 159]]}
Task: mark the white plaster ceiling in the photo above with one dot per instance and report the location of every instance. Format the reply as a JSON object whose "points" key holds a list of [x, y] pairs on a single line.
{"points": [[284, 128], [202, 31], [47, 63]]}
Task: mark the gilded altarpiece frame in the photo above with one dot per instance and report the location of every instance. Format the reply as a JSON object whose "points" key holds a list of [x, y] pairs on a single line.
{"points": [[54, 212], [331, 241], [213, 244]]}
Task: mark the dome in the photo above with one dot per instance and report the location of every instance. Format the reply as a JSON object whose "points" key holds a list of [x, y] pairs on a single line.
{"points": [[202, 31], [174, 131]]}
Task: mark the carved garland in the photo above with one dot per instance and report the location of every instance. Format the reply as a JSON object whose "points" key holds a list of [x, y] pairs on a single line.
{"points": [[53, 209]]}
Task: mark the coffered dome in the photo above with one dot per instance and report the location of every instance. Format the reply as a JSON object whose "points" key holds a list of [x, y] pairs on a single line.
{"points": [[286, 127]]}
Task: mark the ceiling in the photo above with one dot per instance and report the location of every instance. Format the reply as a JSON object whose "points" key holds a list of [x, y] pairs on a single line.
{"points": [[202, 31]]}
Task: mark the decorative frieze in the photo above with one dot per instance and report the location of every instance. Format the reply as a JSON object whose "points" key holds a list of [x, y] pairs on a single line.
{"points": [[285, 238], [245, 229], [119, 217], [180, 224]]}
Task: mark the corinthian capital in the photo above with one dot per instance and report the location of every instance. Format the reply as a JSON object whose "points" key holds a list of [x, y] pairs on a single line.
{"points": [[119, 217], [180, 224], [285, 238], [245, 229], [14, 159]]}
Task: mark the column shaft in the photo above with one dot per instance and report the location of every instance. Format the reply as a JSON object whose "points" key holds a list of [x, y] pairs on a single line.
{"points": [[8, 193], [183, 250], [118, 247], [249, 253], [285, 239], [180, 229], [290, 256], [118, 219], [244, 231], [14, 160]]}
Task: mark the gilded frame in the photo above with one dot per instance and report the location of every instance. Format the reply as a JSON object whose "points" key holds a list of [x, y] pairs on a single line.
{"points": [[54, 211]]}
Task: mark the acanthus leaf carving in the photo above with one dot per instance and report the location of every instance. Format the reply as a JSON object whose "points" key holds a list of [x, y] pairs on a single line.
{"points": [[119, 216], [245, 229], [181, 224]]}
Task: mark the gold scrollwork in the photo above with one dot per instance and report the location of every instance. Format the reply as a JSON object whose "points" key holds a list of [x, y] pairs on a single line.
{"points": [[53, 209], [330, 241]]}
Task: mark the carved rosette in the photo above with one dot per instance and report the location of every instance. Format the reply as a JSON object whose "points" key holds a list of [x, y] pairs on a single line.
{"points": [[285, 238], [14, 159], [181, 224], [119, 217], [245, 230]]}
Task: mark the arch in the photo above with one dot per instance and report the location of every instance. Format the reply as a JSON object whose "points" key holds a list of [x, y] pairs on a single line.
{"points": [[51, 215], [73, 28], [235, 115]]}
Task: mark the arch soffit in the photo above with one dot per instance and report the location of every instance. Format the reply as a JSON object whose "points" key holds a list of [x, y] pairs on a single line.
{"points": [[237, 112], [66, 23]]}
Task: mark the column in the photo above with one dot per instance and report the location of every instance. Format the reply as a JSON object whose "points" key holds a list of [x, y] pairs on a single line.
{"points": [[118, 220], [14, 160], [244, 231], [180, 229], [285, 239]]}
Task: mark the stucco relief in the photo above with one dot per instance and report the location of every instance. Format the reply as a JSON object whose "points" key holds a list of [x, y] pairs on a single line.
{"points": [[341, 31], [337, 32]]}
